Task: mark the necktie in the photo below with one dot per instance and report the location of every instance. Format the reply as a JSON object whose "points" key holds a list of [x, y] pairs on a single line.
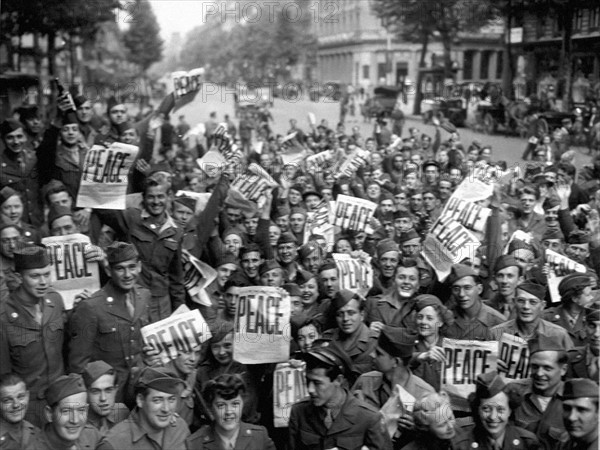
{"points": [[328, 418], [129, 304], [38, 313], [506, 310], [103, 426]]}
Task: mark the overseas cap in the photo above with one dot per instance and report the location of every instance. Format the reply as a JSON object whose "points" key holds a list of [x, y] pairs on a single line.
{"points": [[409, 236], [160, 379], [7, 192], [121, 251], [461, 271], [385, 246], [579, 237], [342, 298], [505, 261], [269, 264], [31, 257], [533, 288], [488, 385], [543, 343], [286, 238], [398, 342], [188, 202], [64, 386], [303, 276], [58, 211], [95, 370], [292, 289], [578, 388], [10, 125]]}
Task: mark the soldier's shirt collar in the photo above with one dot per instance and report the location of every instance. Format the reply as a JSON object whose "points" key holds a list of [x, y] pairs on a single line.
{"points": [[169, 222]]}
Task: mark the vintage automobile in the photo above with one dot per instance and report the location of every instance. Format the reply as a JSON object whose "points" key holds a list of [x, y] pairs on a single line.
{"points": [[385, 101]]}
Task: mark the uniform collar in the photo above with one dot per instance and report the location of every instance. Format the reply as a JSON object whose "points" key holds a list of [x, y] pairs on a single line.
{"points": [[169, 222]]}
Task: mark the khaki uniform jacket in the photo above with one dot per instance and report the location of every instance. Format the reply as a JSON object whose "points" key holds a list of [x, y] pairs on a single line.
{"points": [[544, 327], [101, 329], [130, 435], [577, 367], [356, 425], [119, 413], [372, 388], [384, 310], [33, 351], [558, 316], [476, 329], [16, 437], [515, 438], [250, 437], [359, 351], [48, 440]]}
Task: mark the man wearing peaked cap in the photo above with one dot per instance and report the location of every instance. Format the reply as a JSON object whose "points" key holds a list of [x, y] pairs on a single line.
{"points": [[153, 423], [540, 410], [271, 273], [529, 304], [584, 361], [575, 292], [473, 318], [350, 333], [66, 416], [101, 382], [507, 275], [580, 414], [333, 417], [36, 311], [106, 326], [394, 350], [491, 405]]}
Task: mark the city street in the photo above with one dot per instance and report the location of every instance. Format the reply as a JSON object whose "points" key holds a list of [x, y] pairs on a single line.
{"points": [[507, 148]]}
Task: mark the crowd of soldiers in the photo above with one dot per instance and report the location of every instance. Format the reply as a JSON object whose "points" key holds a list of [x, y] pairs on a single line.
{"points": [[83, 378]]}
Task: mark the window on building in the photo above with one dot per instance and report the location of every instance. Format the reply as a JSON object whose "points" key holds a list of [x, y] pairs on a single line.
{"points": [[381, 70], [499, 64], [468, 65], [578, 20], [594, 18], [365, 71], [484, 66]]}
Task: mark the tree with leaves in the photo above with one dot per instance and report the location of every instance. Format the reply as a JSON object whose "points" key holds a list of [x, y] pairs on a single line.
{"points": [[425, 20], [143, 36]]}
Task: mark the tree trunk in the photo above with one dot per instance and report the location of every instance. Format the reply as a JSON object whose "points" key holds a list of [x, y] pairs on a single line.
{"points": [[51, 36], [447, 42], [508, 71], [566, 62], [422, 63]]}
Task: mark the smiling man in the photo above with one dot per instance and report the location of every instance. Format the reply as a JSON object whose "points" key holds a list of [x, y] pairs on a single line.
{"points": [[472, 318], [106, 326], [66, 415], [32, 321], [15, 431], [541, 409], [153, 423], [332, 417], [158, 241], [351, 333], [507, 275]]}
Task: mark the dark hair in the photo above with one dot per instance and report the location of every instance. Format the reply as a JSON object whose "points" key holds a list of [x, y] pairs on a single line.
{"points": [[10, 379], [571, 294], [529, 190], [227, 386], [308, 322], [151, 182], [514, 394], [56, 190], [567, 168], [249, 248], [331, 372]]}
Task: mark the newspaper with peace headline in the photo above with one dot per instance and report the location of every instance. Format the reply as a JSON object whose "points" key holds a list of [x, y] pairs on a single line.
{"points": [[71, 273], [262, 325], [105, 176]]}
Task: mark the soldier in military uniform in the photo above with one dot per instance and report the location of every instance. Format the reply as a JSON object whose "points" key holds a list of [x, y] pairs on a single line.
{"points": [[15, 431], [540, 411], [507, 275], [580, 414], [472, 318], [575, 291], [106, 326], [223, 396], [101, 383], [66, 415], [584, 361], [530, 303], [491, 406], [351, 334], [332, 417], [18, 169], [11, 238], [32, 324], [153, 424]]}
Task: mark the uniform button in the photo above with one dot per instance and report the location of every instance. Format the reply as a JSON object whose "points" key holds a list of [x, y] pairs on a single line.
{"points": [[14, 315], [48, 300], [109, 299], [3, 164], [557, 316], [132, 341], [127, 358], [132, 329], [152, 226], [474, 445], [248, 432], [27, 233], [516, 442]]}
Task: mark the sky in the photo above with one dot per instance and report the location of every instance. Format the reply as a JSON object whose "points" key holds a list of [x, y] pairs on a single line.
{"points": [[178, 15]]}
